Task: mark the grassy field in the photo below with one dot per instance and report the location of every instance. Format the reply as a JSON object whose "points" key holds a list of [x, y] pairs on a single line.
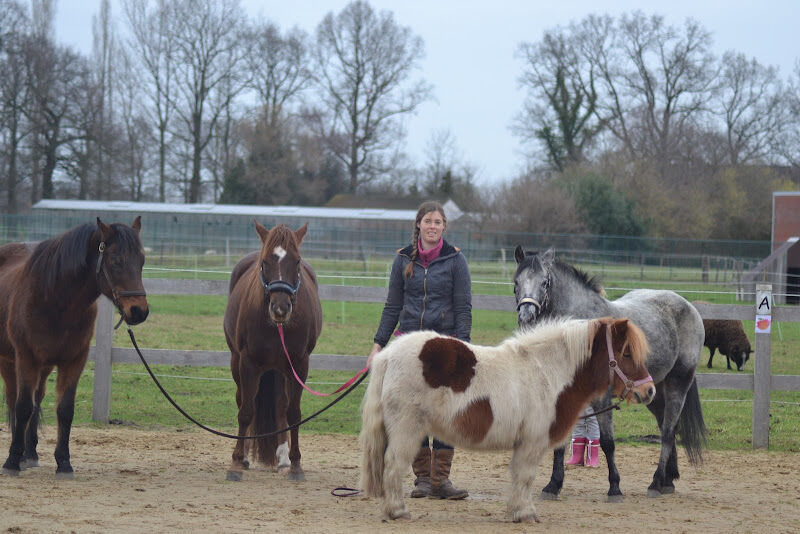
{"points": [[195, 322]]}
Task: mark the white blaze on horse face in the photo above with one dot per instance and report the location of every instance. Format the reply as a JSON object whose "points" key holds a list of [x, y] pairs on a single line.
{"points": [[279, 253]]}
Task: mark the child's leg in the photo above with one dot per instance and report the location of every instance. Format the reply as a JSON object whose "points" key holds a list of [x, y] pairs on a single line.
{"points": [[579, 440], [593, 445]]}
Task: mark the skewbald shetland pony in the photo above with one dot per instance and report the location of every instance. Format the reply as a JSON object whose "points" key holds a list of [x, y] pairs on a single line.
{"points": [[525, 394]]}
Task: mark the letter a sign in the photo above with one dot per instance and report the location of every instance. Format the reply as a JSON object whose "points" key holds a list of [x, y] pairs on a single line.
{"points": [[764, 302], [763, 309]]}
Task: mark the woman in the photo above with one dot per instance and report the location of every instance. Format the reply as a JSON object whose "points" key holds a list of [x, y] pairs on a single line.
{"points": [[429, 289]]}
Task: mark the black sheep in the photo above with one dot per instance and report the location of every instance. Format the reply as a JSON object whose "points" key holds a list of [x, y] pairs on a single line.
{"points": [[729, 337]]}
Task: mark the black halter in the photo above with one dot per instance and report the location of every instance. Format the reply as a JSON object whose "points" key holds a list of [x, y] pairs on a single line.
{"points": [[115, 295], [279, 285]]}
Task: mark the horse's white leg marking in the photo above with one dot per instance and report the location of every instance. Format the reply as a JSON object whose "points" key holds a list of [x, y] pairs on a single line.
{"points": [[524, 460], [282, 452]]}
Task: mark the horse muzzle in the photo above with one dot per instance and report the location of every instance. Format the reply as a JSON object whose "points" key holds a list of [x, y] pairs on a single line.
{"points": [[643, 393], [136, 315], [280, 311], [528, 309]]}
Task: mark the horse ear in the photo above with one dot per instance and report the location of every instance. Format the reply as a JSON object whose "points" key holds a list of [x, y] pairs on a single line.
{"points": [[106, 232], [519, 254], [262, 232], [300, 233], [620, 325], [137, 224], [548, 257]]}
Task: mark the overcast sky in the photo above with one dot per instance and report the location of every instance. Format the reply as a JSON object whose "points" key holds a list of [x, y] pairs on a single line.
{"points": [[470, 49]]}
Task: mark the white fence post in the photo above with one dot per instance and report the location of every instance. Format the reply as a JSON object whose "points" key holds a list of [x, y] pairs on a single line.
{"points": [[762, 379], [104, 337]]}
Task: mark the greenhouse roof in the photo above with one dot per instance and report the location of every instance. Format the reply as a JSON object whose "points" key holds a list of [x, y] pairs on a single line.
{"points": [[226, 209]]}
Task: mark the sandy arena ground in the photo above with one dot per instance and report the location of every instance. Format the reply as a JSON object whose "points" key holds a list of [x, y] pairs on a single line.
{"points": [[131, 480]]}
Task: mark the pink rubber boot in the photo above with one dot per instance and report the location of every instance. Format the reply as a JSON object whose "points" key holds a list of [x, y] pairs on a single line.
{"points": [[593, 453], [578, 448]]}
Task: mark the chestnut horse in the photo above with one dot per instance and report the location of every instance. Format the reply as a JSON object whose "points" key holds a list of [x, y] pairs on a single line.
{"points": [[48, 306], [525, 395], [268, 288]]}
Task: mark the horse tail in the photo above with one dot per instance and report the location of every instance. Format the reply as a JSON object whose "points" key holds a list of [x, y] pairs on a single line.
{"points": [[691, 426], [373, 437], [264, 420]]}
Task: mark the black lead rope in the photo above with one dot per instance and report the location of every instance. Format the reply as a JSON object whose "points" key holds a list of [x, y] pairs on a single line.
{"points": [[232, 436], [604, 410]]}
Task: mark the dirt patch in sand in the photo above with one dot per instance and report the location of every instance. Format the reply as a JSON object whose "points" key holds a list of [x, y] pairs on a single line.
{"points": [[132, 480]]}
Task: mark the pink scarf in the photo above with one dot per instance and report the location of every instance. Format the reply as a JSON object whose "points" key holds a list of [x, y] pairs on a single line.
{"points": [[427, 256]]}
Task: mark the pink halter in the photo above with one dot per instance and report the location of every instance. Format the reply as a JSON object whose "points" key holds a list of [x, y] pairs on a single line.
{"points": [[614, 368]]}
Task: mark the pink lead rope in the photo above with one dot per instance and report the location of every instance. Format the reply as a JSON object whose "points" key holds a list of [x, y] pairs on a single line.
{"points": [[300, 381]]}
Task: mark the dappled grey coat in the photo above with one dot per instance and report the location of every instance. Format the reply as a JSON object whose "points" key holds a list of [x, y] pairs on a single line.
{"points": [[437, 298]]}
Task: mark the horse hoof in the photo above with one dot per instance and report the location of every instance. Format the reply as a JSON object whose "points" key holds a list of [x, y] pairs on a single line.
{"points": [[614, 498], [297, 477], [667, 490], [10, 472], [234, 476], [547, 496], [65, 475], [402, 516], [246, 464], [283, 469], [530, 518], [28, 463], [653, 493]]}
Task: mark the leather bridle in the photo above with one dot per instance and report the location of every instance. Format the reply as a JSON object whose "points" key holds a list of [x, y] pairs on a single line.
{"points": [[115, 295], [280, 285]]}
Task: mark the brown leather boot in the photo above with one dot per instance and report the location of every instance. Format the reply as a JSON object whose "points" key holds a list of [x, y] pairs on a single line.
{"points": [[422, 470], [441, 487]]}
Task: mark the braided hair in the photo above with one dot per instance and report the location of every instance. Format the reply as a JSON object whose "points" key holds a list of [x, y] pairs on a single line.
{"points": [[424, 209]]}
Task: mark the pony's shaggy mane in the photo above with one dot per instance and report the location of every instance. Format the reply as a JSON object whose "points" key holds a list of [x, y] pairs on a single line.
{"points": [[577, 334], [532, 261], [573, 333], [592, 282]]}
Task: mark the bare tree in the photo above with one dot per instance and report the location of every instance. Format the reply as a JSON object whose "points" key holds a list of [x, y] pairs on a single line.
{"points": [[209, 59], [657, 81], [278, 66], [751, 106], [530, 204], [364, 62], [561, 105], [787, 146], [54, 76], [103, 60], [14, 96], [154, 42], [446, 171]]}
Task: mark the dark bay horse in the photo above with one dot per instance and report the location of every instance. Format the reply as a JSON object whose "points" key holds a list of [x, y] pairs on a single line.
{"points": [[271, 287], [48, 306], [546, 287]]}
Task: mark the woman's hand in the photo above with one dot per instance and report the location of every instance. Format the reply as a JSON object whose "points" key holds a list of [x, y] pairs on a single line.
{"points": [[375, 350]]}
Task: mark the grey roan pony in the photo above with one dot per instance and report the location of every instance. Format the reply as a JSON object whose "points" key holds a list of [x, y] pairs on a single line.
{"points": [[547, 287]]}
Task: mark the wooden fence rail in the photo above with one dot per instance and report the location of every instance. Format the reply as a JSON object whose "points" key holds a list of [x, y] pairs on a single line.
{"points": [[105, 355]]}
